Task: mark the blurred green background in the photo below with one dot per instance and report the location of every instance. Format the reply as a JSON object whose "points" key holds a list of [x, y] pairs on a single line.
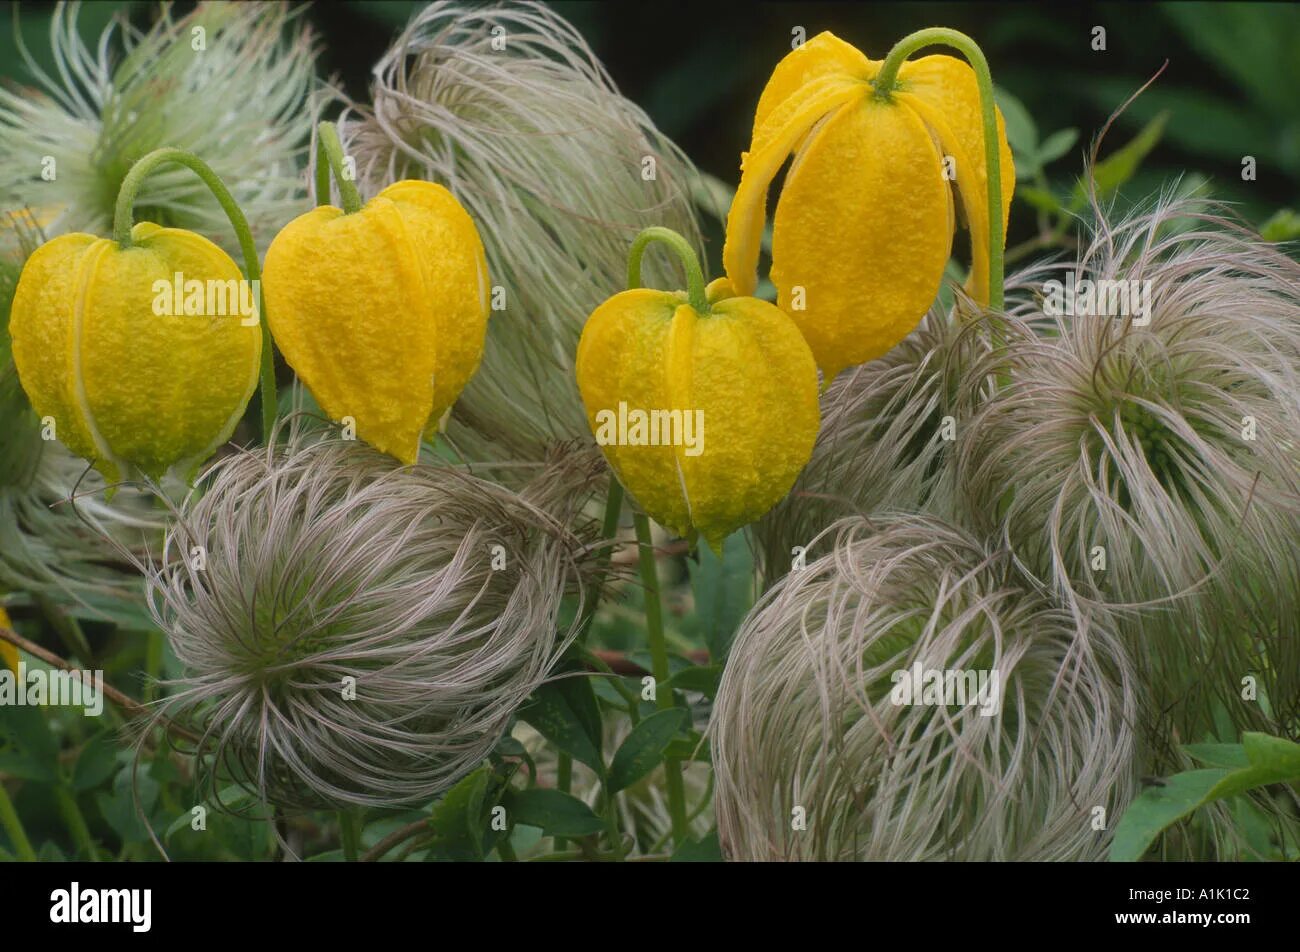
{"points": [[1229, 90], [697, 68]]}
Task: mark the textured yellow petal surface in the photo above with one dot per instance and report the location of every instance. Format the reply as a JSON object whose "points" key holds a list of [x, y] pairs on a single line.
{"points": [[165, 388], [622, 360], [858, 245], [824, 55], [752, 379], [943, 90], [347, 304], [8, 653], [455, 276], [784, 127], [41, 324]]}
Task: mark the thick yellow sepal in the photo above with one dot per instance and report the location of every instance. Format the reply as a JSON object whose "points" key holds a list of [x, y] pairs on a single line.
{"points": [[144, 358], [706, 419], [382, 313]]}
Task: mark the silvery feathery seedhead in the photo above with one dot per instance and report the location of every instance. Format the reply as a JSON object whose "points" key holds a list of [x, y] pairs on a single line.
{"points": [[1133, 457], [231, 82], [509, 108], [77, 551], [823, 750], [887, 438], [354, 632]]}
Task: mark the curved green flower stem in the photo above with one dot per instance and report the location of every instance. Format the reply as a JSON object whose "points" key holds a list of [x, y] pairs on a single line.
{"points": [[13, 827], [611, 825], [329, 156], [350, 834], [681, 247], [122, 221], [66, 801], [887, 80], [654, 621]]}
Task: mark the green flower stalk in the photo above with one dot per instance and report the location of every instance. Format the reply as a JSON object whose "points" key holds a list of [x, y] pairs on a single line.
{"points": [[508, 107], [233, 83], [355, 633], [820, 752]]}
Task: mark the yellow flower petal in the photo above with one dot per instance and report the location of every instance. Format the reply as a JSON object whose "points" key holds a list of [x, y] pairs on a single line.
{"points": [[944, 92], [747, 370], [125, 384], [620, 359], [786, 125], [824, 55], [458, 282], [8, 653], [858, 251]]}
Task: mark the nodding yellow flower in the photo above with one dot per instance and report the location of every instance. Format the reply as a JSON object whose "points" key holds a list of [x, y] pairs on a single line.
{"points": [[8, 653], [704, 404], [864, 223], [129, 351], [382, 312]]}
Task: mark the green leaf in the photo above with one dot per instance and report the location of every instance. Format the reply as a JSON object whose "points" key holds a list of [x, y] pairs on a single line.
{"points": [[1056, 145], [95, 763], [707, 849], [119, 808], [1022, 134], [1284, 225], [702, 678], [724, 592], [1218, 755], [1158, 807], [1117, 168], [457, 819], [1271, 760], [555, 813], [1039, 198], [690, 747], [27, 748], [643, 749], [565, 712]]}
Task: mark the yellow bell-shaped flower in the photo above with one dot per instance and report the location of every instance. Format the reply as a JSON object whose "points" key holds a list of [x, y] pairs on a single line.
{"points": [[382, 312], [144, 357], [706, 415], [864, 223], [8, 653]]}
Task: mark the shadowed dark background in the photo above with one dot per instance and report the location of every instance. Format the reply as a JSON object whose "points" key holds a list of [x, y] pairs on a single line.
{"points": [[697, 68]]}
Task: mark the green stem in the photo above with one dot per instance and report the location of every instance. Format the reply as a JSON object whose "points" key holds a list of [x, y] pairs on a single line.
{"points": [[505, 850], [654, 621], [13, 826], [681, 247], [613, 508], [611, 823], [350, 834], [122, 221], [887, 80], [329, 156], [75, 821]]}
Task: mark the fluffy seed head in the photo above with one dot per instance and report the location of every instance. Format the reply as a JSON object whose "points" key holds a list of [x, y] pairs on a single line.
{"points": [[887, 438], [242, 103], [357, 633], [1171, 448], [806, 727]]}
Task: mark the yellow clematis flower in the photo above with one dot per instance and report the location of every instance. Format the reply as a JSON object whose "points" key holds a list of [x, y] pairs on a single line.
{"points": [[138, 368], [8, 653], [382, 312], [705, 405], [864, 223]]}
